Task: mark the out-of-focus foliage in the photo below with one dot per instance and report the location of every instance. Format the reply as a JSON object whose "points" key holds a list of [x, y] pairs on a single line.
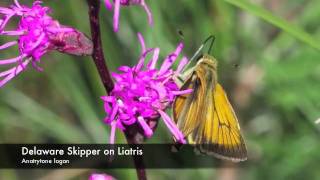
{"points": [[272, 78]]}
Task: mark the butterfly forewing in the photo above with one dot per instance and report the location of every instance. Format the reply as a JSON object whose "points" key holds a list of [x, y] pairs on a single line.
{"points": [[220, 130], [187, 120]]}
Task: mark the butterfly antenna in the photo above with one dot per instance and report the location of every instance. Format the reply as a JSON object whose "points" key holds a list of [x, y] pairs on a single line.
{"points": [[210, 39]]}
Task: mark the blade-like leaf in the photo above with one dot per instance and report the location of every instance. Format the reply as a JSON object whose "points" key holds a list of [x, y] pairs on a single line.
{"points": [[42, 117], [279, 22]]}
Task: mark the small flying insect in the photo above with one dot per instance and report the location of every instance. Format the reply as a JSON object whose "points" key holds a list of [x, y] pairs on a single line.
{"points": [[181, 34]]}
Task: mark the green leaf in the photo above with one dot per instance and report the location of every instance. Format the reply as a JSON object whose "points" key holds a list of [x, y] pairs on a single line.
{"points": [[43, 118], [67, 80], [279, 22]]}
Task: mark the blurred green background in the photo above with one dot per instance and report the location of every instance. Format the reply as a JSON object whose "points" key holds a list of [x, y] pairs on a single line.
{"points": [[268, 64]]}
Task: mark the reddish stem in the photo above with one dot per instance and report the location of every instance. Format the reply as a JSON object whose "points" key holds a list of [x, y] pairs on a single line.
{"points": [[99, 60], [98, 55]]}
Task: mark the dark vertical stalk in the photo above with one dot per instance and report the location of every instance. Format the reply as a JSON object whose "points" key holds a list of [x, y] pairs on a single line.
{"points": [[133, 139], [98, 55], [99, 60]]}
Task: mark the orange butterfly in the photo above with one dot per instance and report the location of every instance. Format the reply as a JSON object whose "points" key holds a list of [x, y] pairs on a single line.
{"points": [[206, 116]]}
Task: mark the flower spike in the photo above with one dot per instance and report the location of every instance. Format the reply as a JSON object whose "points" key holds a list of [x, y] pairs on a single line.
{"points": [[142, 93], [96, 176], [119, 3], [37, 33]]}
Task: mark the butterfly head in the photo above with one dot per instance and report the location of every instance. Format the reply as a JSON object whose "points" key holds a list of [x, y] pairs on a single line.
{"points": [[208, 61]]}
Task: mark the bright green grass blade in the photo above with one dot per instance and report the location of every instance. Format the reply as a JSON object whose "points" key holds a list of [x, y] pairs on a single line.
{"points": [[67, 79], [43, 118], [279, 22]]}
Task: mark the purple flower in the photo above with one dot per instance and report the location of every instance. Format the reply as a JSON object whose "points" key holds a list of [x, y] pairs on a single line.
{"points": [[142, 93], [37, 33], [118, 3], [100, 177]]}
